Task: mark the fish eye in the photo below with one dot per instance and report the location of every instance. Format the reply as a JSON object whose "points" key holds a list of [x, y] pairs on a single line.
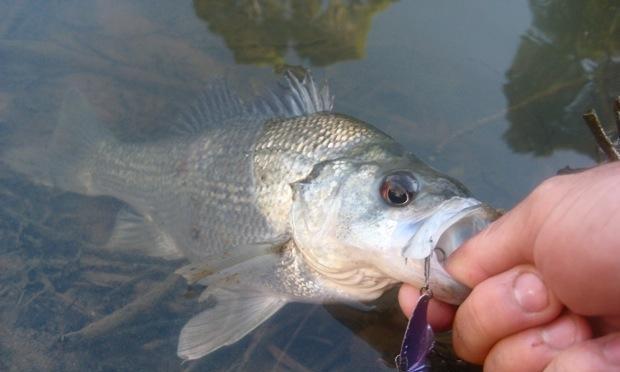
{"points": [[399, 188]]}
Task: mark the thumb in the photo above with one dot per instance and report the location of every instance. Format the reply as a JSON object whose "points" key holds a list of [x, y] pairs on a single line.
{"points": [[559, 215], [510, 240], [601, 354]]}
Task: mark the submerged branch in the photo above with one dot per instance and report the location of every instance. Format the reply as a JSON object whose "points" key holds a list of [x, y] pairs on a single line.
{"points": [[121, 316], [603, 141]]}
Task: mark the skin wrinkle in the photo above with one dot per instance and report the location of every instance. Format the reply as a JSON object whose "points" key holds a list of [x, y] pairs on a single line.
{"points": [[601, 228], [611, 189], [597, 190], [614, 213], [548, 218], [475, 327], [464, 346]]}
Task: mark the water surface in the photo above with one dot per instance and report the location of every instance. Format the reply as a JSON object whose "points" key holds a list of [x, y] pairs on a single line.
{"points": [[490, 92]]}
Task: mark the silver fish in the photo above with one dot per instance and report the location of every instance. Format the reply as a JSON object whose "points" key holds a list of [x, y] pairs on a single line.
{"points": [[271, 201]]}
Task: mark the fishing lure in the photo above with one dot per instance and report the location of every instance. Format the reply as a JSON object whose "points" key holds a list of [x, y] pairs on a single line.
{"points": [[419, 338]]}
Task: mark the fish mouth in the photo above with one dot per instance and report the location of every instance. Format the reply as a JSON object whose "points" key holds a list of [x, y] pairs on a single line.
{"points": [[465, 225], [452, 224]]}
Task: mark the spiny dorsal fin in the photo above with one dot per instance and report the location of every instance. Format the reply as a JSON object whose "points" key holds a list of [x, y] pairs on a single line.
{"points": [[301, 97], [219, 104]]}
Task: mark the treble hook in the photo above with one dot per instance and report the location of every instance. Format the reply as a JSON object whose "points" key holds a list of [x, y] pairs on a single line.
{"points": [[426, 288]]}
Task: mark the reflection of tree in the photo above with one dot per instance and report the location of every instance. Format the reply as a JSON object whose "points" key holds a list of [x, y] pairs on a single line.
{"points": [[567, 62], [261, 31]]}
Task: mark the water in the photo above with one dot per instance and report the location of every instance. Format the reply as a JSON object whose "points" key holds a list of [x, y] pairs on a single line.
{"points": [[490, 92]]}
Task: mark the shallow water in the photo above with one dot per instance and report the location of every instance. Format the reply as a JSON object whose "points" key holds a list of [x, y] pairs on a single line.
{"points": [[489, 92]]}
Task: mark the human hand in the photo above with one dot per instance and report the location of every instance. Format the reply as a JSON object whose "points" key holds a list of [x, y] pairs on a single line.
{"points": [[545, 279]]}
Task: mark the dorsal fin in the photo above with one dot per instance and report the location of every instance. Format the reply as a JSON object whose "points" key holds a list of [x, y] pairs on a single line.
{"points": [[215, 105], [219, 104], [300, 97]]}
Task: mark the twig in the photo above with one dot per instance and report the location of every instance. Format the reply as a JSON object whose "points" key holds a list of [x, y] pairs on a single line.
{"points": [[600, 136], [568, 170], [284, 352], [286, 360], [139, 306], [257, 336], [617, 114]]}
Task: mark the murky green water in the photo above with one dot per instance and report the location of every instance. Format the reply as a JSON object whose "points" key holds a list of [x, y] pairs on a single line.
{"points": [[490, 92]]}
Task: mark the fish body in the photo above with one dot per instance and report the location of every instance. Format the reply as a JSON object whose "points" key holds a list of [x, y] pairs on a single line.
{"points": [[271, 201]]}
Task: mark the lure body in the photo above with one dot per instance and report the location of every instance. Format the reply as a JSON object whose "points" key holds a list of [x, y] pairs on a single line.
{"points": [[418, 341]]}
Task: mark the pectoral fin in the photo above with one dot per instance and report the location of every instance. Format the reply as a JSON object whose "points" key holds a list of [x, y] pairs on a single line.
{"points": [[245, 290], [197, 271], [235, 314]]}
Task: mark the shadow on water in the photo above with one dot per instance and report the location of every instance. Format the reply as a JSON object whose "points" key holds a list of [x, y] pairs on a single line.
{"points": [[264, 32], [568, 61]]}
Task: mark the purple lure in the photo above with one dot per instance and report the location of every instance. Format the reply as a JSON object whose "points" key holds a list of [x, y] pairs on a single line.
{"points": [[418, 341]]}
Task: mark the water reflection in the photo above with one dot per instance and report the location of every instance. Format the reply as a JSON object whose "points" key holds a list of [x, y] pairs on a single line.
{"points": [[320, 32], [568, 61]]}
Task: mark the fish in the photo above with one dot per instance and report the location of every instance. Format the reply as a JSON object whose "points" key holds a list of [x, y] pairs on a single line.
{"points": [[270, 199]]}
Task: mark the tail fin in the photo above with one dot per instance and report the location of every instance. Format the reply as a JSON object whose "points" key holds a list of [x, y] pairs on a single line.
{"points": [[66, 161]]}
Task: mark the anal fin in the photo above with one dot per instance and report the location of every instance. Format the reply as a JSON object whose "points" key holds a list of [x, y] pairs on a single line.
{"points": [[136, 233]]}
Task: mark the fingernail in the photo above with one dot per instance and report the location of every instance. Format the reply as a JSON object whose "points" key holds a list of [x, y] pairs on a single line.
{"points": [[530, 292], [561, 334], [611, 350]]}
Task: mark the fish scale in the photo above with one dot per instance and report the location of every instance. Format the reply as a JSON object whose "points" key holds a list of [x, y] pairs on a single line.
{"points": [[287, 151]]}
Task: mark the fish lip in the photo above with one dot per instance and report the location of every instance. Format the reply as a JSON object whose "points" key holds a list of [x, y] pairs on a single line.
{"points": [[449, 214], [455, 221], [465, 225]]}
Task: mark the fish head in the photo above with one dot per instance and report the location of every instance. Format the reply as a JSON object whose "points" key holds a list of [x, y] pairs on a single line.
{"points": [[367, 224]]}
